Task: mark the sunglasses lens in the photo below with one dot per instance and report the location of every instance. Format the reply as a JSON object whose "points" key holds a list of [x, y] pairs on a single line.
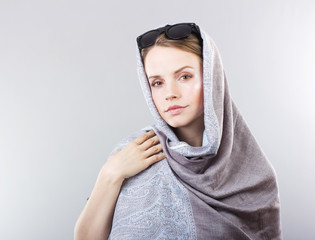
{"points": [[175, 32], [179, 31], [149, 38]]}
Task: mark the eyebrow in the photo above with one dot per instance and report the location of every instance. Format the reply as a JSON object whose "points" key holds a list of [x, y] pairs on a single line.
{"points": [[176, 72]]}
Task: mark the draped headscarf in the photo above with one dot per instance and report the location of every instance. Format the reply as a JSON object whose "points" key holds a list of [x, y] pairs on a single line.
{"points": [[225, 189]]}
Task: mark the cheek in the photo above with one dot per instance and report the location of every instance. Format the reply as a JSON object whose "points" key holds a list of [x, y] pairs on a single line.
{"points": [[195, 91], [157, 100]]}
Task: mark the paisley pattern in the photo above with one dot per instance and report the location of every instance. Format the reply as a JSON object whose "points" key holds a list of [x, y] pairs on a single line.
{"points": [[153, 205]]}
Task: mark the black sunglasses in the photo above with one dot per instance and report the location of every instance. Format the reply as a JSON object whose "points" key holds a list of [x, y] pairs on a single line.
{"points": [[174, 32]]}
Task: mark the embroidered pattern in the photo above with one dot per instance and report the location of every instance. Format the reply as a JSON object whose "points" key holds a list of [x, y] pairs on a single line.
{"points": [[153, 205]]}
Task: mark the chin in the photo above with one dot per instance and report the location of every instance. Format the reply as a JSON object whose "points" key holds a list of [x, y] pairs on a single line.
{"points": [[184, 121], [177, 124]]}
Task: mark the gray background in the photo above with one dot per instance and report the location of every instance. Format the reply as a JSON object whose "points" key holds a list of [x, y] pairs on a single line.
{"points": [[69, 93]]}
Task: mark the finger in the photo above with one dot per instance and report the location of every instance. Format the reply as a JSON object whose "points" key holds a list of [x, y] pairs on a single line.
{"points": [[153, 150], [155, 158], [139, 140], [150, 142]]}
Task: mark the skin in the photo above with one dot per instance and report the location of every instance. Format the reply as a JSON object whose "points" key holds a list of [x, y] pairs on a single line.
{"points": [[175, 77]]}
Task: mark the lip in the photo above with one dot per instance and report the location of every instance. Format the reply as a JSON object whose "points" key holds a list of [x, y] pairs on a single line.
{"points": [[175, 109]]}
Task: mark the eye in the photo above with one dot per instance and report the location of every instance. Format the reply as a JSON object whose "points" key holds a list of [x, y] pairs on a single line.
{"points": [[186, 76], [156, 83]]}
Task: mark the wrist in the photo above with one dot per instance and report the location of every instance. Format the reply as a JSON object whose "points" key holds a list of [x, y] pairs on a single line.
{"points": [[110, 176]]}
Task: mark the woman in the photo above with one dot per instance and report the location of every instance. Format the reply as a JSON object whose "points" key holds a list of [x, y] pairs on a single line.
{"points": [[198, 173]]}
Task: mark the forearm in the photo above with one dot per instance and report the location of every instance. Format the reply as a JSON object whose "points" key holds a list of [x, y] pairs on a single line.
{"points": [[96, 218]]}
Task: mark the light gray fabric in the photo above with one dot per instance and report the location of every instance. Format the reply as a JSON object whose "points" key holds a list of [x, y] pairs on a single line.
{"points": [[231, 186], [154, 205]]}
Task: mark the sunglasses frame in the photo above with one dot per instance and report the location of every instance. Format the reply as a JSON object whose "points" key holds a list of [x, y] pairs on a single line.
{"points": [[194, 28]]}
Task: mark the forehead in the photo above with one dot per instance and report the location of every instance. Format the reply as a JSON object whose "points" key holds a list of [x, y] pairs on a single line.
{"points": [[163, 60]]}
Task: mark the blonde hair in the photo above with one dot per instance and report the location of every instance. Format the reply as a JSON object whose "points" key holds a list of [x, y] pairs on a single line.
{"points": [[190, 44]]}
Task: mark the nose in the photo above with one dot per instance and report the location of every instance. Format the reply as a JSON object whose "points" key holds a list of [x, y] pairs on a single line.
{"points": [[172, 91]]}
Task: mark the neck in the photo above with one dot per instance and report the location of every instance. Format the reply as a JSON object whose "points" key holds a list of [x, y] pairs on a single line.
{"points": [[191, 134]]}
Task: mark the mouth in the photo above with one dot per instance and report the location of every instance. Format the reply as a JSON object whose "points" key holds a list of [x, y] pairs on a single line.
{"points": [[175, 109]]}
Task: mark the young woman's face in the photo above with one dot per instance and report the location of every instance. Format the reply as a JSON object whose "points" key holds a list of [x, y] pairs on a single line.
{"points": [[176, 81]]}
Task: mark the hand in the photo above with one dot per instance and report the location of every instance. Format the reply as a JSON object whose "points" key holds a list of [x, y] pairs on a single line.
{"points": [[136, 156]]}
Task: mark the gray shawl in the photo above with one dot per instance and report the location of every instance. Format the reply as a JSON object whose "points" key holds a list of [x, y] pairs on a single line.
{"points": [[225, 189]]}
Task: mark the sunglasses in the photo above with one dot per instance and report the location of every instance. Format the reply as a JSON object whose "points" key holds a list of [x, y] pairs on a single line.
{"points": [[174, 32]]}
